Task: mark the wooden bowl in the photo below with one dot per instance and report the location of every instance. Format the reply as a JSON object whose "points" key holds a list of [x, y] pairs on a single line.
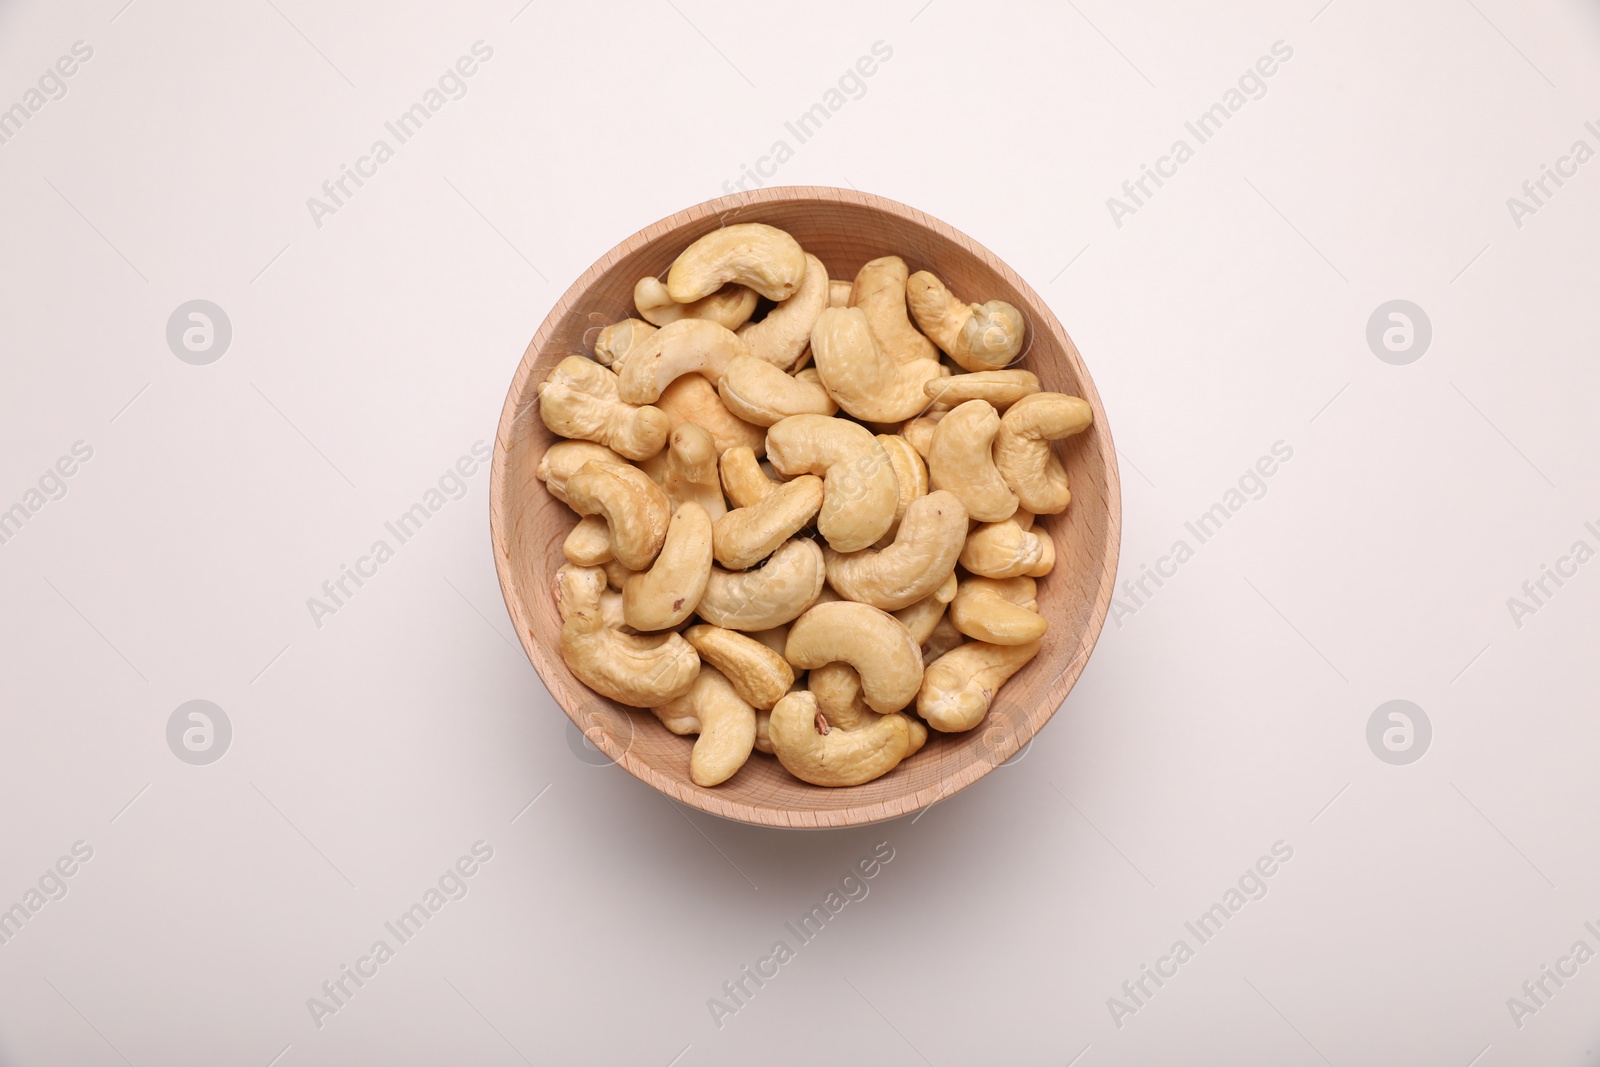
{"points": [[844, 229]]}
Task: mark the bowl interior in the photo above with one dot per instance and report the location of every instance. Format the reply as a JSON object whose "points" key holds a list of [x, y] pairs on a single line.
{"points": [[844, 229]]}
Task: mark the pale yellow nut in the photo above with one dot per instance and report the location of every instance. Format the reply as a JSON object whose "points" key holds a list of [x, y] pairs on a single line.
{"points": [[922, 556], [860, 489], [614, 343], [770, 596], [1000, 611], [947, 590], [688, 346], [633, 506], [759, 392], [868, 639], [759, 675], [762, 257], [589, 542], [960, 685], [839, 293], [670, 591], [782, 336], [1047, 554], [574, 586], [743, 480], [865, 380], [977, 336], [944, 637], [641, 672], [724, 720], [1005, 549], [910, 475], [839, 757], [616, 574], [880, 292], [580, 400], [611, 611], [918, 432], [837, 688], [687, 470], [1002, 388], [746, 536], [774, 637], [920, 618], [562, 460], [729, 307], [692, 398], [1022, 451], [809, 374], [959, 460], [764, 731]]}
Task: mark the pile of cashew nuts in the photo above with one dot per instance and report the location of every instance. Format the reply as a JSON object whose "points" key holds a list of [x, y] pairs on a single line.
{"points": [[809, 534]]}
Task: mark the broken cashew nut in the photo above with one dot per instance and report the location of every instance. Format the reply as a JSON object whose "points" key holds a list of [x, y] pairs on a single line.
{"points": [[1022, 450], [979, 337], [754, 254]]}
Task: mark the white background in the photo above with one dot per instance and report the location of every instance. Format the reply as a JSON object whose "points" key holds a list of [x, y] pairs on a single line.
{"points": [[1227, 713]]}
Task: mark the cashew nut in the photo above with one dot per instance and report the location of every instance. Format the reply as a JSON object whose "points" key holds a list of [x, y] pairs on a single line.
{"points": [[1008, 549], [837, 688], [759, 392], [1022, 450], [641, 672], [589, 542], [920, 618], [759, 675], [922, 556], [668, 593], [860, 491], [784, 333], [944, 637], [1002, 388], [1001, 611], [687, 469], [745, 536], [868, 639], [692, 398], [724, 720], [634, 508], [615, 342], [910, 475], [880, 292], [774, 637], [753, 389], [562, 460], [763, 257], [774, 594], [959, 686], [743, 480], [839, 757], [616, 574], [866, 381], [764, 731], [729, 307], [959, 460], [838, 293], [978, 336], [580, 400], [918, 432]]}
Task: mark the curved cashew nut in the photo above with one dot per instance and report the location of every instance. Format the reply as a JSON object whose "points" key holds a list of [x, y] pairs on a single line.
{"points": [[784, 333], [562, 460], [616, 574], [724, 720], [860, 491], [758, 674], [1002, 388], [868, 639], [910, 475], [589, 542], [1022, 450], [687, 469], [880, 292], [838, 293], [729, 307], [743, 480], [920, 618], [762, 393], [762, 257], [809, 374], [692, 398], [1008, 549], [678, 348], [580, 399], [1000, 611], [745, 536], [666, 594], [839, 757], [641, 672], [922, 556], [615, 342], [634, 508], [769, 596], [978, 336], [918, 432], [837, 688], [959, 460], [959, 686], [865, 380]]}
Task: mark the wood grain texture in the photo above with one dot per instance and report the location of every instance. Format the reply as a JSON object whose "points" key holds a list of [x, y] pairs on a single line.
{"points": [[844, 228]]}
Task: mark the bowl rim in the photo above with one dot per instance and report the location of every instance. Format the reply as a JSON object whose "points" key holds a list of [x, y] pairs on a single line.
{"points": [[682, 790]]}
